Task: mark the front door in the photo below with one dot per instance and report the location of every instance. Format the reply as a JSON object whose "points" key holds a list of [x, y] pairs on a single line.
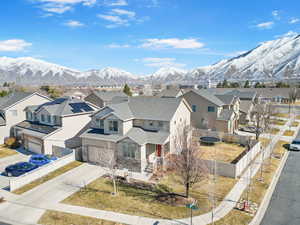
{"points": [[158, 150]]}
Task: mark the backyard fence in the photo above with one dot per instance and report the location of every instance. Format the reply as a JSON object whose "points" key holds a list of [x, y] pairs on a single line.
{"points": [[17, 182]]}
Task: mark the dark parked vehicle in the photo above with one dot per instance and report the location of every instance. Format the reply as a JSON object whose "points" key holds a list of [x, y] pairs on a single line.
{"points": [[251, 129], [19, 169], [41, 160]]}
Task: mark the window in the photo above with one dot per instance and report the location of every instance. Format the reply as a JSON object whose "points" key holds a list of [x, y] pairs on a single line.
{"points": [[194, 108], [49, 119], [113, 125], [43, 118], [28, 115], [129, 150], [14, 112], [151, 123], [160, 124], [211, 109], [101, 124], [54, 120]]}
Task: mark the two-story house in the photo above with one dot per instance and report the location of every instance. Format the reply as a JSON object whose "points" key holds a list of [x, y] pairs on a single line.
{"points": [[214, 112], [135, 135], [104, 98], [54, 124], [12, 109]]}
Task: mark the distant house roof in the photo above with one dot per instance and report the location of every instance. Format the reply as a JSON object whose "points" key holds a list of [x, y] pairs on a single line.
{"points": [[13, 98], [64, 107], [208, 96], [227, 99], [146, 108], [109, 95], [245, 106], [226, 114], [170, 93], [243, 95]]}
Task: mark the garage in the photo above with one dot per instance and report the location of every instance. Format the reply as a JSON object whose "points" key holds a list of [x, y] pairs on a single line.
{"points": [[99, 155], [34, 147]]}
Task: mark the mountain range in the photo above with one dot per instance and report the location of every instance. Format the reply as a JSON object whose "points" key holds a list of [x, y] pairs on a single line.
{"points": [[272, 60]]}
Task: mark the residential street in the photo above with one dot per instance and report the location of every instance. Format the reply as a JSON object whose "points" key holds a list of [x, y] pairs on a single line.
{"points": [[284, 208]]}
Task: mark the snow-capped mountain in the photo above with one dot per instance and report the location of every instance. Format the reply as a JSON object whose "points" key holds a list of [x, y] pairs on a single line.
{"points": [[273, 60]]}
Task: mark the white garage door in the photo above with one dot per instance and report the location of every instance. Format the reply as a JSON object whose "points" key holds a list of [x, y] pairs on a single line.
{"points": [[99, 155], [34, 147]]}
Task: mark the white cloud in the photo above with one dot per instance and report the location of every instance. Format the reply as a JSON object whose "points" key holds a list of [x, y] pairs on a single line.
{"points": [[156, 43], [118, 46], [294, 20], [73, 23], [62, 6], [276, 15], [288, 34], [116, 20], [265, 25], [161, 62], [130, 14], [13, 45], [116, 2]]}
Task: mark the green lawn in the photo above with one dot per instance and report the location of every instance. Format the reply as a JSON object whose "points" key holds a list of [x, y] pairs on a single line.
{"points": [[140, 202], [48, 177], [60, 218]]}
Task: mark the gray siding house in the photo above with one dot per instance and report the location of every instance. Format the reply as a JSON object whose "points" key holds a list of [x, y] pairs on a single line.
{"points": [[135, 135], [104, 98], [54, 124]]}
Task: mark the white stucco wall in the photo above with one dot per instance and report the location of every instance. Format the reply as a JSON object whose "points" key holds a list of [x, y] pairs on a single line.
{"points": [[181, 118], [11, 120], [70, 128]]}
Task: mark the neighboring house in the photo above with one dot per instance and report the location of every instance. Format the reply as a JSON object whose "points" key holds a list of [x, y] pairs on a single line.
{"points": [[137, 135], [104, 98], [170, 93], [12, 109], [77, 93], [54, 124], [214, 112]]}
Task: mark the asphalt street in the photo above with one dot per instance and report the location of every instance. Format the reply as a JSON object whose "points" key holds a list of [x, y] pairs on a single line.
{"points": [[284, 208]]}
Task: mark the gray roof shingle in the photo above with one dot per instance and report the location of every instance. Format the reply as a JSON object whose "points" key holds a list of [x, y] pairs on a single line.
{"points": [[110, 95], [65, 106], [209, 96], [170, 93], [13, 98]]}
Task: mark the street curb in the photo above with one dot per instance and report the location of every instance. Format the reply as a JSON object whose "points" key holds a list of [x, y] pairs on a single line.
{"points": [[267, 198]]}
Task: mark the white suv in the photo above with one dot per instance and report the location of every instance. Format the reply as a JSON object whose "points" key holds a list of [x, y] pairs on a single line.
{"points": [[295, 145]]}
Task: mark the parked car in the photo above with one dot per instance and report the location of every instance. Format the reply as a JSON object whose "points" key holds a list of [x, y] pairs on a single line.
{"points": [[250, 129], [295, 145], [41, 160], [19, 169]]}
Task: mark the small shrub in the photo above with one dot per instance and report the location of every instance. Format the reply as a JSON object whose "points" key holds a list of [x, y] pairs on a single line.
{"points": [[12, 142]]}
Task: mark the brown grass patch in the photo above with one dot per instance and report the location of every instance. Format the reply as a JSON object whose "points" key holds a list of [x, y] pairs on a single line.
{"points": [[5, 152], [289, 133]]}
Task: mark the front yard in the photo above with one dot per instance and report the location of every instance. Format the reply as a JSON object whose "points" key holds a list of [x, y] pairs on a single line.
{"points": [[284, 115], [4, 151], [225, 152], [137, 201], [60, 218], [289, 133], [258, 189], [278, 122]]}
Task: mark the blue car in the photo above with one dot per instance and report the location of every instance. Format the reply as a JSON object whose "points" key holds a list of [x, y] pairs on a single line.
{"points": [[40, 160], [19, 169]]}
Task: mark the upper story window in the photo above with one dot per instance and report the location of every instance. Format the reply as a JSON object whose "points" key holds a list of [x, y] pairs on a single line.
{"points": [[194, 108], [160, 124], [211, 109], [151, 123], [54, 120], [48, 119], [28, 115], [14, 112], [113, 125], [43, 118]]}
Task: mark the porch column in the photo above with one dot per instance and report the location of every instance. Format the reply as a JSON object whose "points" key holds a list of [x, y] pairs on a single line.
{"points": [[143, 158]]}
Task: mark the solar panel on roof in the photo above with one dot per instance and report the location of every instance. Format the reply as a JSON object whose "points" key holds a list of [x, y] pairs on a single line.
{"points": [[80, 107]]}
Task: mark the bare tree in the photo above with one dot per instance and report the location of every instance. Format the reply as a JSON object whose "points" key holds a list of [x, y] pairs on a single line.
{"points": [[189, 167], [262, 118]]}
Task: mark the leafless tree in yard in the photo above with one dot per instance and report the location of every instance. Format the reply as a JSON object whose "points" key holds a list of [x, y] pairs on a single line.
{"points": [[262, 118], [188, 165], [293, 95]]}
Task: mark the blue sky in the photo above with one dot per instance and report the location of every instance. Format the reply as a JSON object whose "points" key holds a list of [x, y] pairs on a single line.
{"points": [[141, 36]]}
